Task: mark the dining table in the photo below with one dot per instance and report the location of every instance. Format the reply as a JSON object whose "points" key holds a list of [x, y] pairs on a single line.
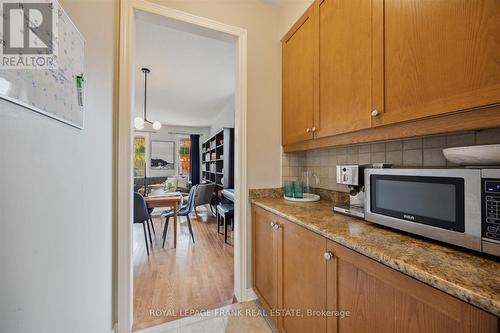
{"points": [[166, 200]]}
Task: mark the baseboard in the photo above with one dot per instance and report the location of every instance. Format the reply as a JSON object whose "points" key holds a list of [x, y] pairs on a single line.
{"points": [[250, 295]]}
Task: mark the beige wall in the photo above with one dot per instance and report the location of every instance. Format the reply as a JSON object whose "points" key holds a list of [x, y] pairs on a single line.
{"points": [[266, 23], [56, 243], [261, 21], [290, 12]]}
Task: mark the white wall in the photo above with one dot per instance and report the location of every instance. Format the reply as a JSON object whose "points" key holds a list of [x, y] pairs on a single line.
{"points": [[225, 118], [56, 200]]}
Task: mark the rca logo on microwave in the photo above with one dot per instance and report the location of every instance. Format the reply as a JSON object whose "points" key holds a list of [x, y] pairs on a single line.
{"points": [[409, 217]]}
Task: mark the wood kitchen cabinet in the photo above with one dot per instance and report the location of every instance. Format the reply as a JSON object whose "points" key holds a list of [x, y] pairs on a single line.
{"points": [[303, 278], [297, 269], [381, 299], [345, 66], [299, 79], [435, 57], [414, 67], [265, 256], [287, 258]]}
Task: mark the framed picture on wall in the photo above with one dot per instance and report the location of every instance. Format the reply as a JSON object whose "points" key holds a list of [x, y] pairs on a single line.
{"points": [[162, 155]]}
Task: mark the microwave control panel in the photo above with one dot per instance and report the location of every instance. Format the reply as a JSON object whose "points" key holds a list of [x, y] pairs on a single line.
{"points": [[491, 209]]}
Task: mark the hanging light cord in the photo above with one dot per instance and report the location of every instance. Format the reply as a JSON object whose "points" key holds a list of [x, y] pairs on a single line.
{"points": [[146, 71]]}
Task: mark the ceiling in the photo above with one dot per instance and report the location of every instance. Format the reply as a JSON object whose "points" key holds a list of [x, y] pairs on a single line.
{"points": [[192, 74]]}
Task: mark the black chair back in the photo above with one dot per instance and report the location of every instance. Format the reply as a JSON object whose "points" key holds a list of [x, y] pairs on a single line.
{"points": [[141, 213], [204, 194]]}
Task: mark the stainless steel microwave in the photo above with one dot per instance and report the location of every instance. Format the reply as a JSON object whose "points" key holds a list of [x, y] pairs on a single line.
{"points": [[456, 206]]}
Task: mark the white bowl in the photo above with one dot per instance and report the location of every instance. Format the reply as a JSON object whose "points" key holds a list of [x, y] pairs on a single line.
{"points": [[474, 155], [156, 189], [308, 197]]}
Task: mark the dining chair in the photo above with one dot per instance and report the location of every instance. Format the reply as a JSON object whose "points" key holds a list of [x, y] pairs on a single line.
{"points": [[204, 195], [141, 215], [150, 211], [183, 211]]}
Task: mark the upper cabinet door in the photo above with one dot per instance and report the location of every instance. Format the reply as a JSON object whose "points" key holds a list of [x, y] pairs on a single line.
{"points": [[299, 80], [345, 66], [435, 57]]}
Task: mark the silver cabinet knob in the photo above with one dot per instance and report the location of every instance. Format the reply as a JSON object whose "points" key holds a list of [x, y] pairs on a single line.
{"points": [[272, 224], [276, 226], [328, 255], [375, 113], [308, 130], [314, 129]]}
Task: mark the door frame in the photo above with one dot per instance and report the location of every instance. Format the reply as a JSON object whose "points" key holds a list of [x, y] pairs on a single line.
{"points": [[123, 186]]}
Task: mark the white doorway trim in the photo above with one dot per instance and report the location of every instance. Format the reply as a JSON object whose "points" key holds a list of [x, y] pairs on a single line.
{"points": [[124, 185]]}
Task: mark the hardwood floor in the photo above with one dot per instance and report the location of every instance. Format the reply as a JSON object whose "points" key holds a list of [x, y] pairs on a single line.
{"points": [[172, 282]]}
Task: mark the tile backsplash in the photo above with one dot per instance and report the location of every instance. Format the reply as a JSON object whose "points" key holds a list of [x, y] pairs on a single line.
{"points": [[414, 152]]}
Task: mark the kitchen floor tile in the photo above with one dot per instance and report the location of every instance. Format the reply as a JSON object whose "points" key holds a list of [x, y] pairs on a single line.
{"points": [[211, 325], [248, 320]]}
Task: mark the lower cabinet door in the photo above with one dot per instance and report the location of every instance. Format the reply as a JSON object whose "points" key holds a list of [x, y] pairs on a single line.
{"points": [[302, 269], [311, 284], [265, 279], [334, 313], [380, 299]]}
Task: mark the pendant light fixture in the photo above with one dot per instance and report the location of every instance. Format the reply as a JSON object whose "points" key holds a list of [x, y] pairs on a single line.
{"points": [[138, 121]]}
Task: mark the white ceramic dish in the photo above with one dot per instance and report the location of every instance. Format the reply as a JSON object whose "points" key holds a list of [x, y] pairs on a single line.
{"points": [[486, 155], [308, 197], [156, 189]]}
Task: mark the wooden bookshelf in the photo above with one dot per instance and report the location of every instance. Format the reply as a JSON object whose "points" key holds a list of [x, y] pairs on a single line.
{"points": [[217, 159]]}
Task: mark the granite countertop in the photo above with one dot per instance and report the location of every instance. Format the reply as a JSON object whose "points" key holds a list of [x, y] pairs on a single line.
{"points": [[465, 275]]}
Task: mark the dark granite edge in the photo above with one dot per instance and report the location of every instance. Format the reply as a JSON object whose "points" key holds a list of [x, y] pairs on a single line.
{"points": [[441, 284], [332, 195], [259, 193]]}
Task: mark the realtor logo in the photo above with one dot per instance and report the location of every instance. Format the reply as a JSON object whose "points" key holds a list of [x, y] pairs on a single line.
{"points": [[29, 34]]}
